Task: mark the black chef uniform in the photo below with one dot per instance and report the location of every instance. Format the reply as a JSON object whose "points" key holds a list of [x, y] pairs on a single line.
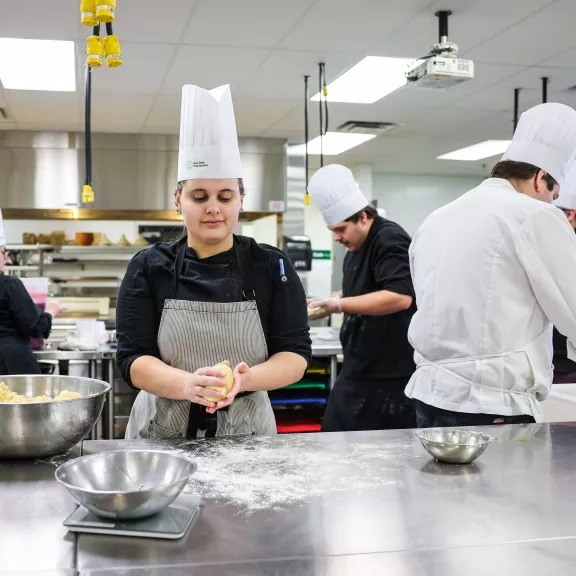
{"points": [[564, 368], [378, 359], [280, 300], [20, 320]]}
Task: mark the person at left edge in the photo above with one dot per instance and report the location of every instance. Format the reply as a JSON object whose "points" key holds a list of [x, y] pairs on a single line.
{"points": [[564, 368], [20, 320], [186, 306], [378, 303]]}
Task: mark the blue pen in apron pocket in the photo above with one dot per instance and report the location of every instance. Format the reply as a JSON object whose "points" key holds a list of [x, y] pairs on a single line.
{"points": [[282, 272]]}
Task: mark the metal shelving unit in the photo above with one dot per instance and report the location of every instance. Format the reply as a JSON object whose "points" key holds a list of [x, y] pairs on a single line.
{"points": [[23, 253], [74, 270]]}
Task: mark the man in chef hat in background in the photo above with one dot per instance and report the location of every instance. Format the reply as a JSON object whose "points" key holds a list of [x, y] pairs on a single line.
{"points": [[564, 368], [492, 270], [377, 300]]}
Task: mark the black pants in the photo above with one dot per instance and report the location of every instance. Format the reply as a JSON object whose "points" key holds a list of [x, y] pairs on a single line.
{"points": [[431, 417], [368, 406]]}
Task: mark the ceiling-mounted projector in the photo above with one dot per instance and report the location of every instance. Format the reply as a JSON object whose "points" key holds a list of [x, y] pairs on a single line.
{"points": [[441, 69]]}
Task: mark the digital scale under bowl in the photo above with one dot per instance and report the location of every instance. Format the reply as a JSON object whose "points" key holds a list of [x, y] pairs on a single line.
{"points": [[171, 523]]}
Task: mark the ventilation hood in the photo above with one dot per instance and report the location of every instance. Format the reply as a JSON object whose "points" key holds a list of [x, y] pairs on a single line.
{"points": [[130, 173]]}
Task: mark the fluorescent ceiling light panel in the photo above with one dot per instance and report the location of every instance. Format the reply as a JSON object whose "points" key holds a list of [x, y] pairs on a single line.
{"points": [[37, 65], [334, 143], [477, 151], [369, 80]]}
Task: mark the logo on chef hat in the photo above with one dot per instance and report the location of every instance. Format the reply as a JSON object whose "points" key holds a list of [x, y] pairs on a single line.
{"points": [[190, 165]]}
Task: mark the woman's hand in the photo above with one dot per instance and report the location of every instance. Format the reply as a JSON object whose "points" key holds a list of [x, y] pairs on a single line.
{"points": [[241, 372], [199, 386], [55, 308]]}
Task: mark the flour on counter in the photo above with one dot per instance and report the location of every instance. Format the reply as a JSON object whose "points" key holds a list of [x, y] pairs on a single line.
{"points": [[58, 459], [273, 472]]}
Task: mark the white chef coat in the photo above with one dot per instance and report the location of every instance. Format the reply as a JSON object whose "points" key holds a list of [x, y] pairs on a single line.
{"points": [[491, 271]]}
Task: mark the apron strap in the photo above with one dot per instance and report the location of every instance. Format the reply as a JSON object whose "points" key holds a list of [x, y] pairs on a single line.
{"points": [[244, 266], [178, 265]]}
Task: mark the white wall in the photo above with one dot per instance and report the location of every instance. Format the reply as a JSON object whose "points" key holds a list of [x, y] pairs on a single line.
{"points": [[315, 228], [409, 199]]}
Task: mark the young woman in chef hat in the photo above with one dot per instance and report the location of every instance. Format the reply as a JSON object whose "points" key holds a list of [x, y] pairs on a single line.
{"points": [[186, 306]]}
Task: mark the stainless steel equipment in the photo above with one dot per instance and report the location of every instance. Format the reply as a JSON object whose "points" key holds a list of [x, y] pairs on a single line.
{"points": [[126, 485], [516, 512], [130, 171], [39, 429], [454, 446]]}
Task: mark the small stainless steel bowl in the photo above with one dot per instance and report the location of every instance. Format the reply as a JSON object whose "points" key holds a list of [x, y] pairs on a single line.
{"points": [[126, 484], [453, 446]]}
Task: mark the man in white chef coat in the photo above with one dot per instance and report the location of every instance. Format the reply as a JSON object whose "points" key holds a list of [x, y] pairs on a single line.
{"points": [[492, 271], [564, 368]]}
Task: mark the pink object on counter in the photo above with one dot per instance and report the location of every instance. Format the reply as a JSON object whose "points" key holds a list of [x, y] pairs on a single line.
{"points": [[38, 290]]}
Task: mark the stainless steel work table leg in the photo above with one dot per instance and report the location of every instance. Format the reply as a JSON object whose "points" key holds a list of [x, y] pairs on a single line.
{"points": [[333, 370], [110, 408], [92, 368]]}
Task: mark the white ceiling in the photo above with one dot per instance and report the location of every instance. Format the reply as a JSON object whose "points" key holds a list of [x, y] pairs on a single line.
{"points": [[263, 48]]}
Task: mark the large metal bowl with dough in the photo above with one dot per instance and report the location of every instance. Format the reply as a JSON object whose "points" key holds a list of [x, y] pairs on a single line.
{"points": [[40, 429]]}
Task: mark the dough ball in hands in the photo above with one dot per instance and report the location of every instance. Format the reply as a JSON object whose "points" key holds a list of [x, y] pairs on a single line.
{"points": [[228, 376]]}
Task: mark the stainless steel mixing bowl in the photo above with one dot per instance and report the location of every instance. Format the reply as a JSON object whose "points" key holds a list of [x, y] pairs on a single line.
{"points": [[39, 429], [126, 484], [454, 446]]}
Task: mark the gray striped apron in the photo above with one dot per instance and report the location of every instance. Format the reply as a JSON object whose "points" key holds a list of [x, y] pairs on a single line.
{"points": [[195, 335]]}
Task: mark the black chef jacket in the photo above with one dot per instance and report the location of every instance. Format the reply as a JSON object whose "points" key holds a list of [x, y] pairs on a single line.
{"points": [[281, 304], [20, 320], [376, 347], [562, 364]]}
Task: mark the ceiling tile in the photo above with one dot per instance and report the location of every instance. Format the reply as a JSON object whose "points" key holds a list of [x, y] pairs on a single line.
{"points": [[37, 19], [282, 74], [564, 60], [256, 115], [532, 40], [164, 114], [471, 23], [500, 96], [63, 126], [210, 67], [127, 111], [51, 108], [142, 70], [151, 21], [256, 23], [338, 25]]}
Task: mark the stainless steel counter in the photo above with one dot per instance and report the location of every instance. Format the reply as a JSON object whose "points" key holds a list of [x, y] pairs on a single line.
{"points": [[32, 509], [513, 511]]}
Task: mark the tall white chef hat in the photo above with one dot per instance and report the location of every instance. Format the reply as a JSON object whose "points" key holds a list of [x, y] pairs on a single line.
{"points": [[545, 137], [2, 235], [567, 197], [208, 139], [336, 193]]}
